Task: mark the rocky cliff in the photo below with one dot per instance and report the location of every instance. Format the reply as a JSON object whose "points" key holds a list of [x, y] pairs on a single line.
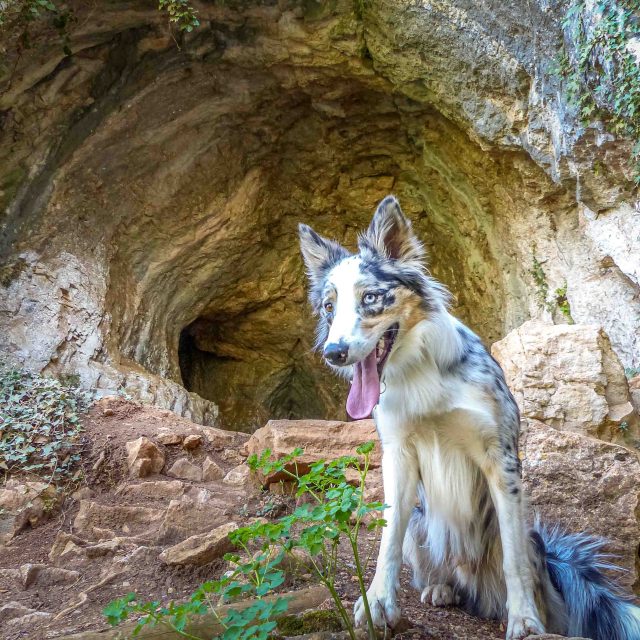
{"points": [[151, 183]]}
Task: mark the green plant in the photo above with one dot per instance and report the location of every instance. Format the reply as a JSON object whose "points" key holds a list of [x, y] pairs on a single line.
{"points": [[180, 13], [623, 426], [39, 424], [632, 372], [254, 622], [600, 66], [337, 513], [563, 303], [540, 281]]}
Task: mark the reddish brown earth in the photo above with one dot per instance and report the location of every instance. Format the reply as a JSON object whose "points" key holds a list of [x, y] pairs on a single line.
{"points": [[127, 522]]}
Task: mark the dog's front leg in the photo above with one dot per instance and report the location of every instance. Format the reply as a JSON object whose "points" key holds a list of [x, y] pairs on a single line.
{"points": [[506, 492], [400, 479]]}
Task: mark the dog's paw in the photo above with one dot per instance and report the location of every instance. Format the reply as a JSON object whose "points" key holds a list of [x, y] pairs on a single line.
{"points": [[439, 595], [384, 610], [522, 626]]}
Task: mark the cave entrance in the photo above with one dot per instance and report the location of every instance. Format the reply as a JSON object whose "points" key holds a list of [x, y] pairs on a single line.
{"points": [[250, 385]]}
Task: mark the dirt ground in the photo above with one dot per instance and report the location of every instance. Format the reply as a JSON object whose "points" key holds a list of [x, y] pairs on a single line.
{"points": [[106, 539]]}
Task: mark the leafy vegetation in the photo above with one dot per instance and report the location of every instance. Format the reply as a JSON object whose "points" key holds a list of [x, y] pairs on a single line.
{"points": [[18, 16], [180, 13], [562, 302], [39, 425], [337, 512], [558, 301], [601, 65], [540, 280]]}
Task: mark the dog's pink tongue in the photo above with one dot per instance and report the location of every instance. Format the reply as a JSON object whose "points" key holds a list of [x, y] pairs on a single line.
{"points": [[365, 388]]}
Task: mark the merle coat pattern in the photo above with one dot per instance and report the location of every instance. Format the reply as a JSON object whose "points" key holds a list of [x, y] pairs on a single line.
{"points": [[449, 429]]}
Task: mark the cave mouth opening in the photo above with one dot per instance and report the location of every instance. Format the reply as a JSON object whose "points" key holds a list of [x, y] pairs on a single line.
{"points": [[227, 310], [251, 386]]}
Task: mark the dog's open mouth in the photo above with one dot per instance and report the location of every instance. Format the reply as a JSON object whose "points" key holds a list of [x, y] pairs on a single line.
{"points": [[384, 346], [364, 394]]}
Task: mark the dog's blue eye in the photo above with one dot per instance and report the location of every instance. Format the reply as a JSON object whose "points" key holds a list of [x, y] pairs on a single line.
{"points": [[369, 298]]}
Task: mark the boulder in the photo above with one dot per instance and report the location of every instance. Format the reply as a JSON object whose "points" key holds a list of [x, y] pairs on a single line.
{"points": [[238, 476], [200, 549], [24, 504], [192, 441], [211, 471], [568, 377], [40, 575], [320, 440], [220, 438], [169, 438], [585, 485], [186, 470], [144, 457]]}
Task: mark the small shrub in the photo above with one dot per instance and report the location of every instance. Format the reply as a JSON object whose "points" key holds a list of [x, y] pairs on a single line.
{"points": [[180, 13], [337, 513], [540, 281], [563, 303], [39, 425]]}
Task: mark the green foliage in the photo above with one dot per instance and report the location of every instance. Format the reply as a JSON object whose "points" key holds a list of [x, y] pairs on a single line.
{"points": [[563, 303], [601, 71], [17, 16], [180, 13], [540, 281], [632, 372], [337, 513], [254, 622], [39, 424]]}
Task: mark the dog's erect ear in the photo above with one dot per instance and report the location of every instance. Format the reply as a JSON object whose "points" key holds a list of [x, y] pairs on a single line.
{"points": [[319, 253], [391, 234]]}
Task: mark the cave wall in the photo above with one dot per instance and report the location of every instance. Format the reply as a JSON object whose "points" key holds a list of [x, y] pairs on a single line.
{"points": [[151, 192]]}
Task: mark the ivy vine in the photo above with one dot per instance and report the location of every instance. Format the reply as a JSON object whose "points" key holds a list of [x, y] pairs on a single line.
{"points": [[601, 65]]}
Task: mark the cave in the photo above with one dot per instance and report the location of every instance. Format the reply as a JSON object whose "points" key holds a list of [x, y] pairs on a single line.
{"points": [[155, 238]]}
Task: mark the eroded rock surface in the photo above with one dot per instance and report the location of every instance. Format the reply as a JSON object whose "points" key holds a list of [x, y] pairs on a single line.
{"points": [[586, 485], [569, 377], [150, 194]]}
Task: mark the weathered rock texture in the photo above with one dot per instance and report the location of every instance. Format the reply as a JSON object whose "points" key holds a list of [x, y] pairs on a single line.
{"points": [[568, 377], [150, 193], [584, 484], [319, 440]]}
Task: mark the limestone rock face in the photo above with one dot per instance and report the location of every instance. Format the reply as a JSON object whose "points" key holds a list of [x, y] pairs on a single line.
{"points": [[148, 204], [585, 485], [568, 377], [320, 440]]}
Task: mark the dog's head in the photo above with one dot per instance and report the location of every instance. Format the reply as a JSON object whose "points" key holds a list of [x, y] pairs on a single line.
{"points": [[367, 301]]}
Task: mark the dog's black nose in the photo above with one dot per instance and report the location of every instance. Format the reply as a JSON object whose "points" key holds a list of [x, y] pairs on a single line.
{"points": [[336, 352]]}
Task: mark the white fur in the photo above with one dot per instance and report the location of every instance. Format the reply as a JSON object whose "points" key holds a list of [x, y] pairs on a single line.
{"points": [[345, 326], [439, 431]]}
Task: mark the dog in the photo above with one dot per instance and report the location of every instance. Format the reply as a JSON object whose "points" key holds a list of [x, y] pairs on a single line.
{"points": [[449, 430]]}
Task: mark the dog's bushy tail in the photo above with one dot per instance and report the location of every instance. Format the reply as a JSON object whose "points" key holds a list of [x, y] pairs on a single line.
{"points": [[595, 606]]}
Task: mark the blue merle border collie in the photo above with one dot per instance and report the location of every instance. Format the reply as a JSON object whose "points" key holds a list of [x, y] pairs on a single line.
{"points": [[449, 430]]}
